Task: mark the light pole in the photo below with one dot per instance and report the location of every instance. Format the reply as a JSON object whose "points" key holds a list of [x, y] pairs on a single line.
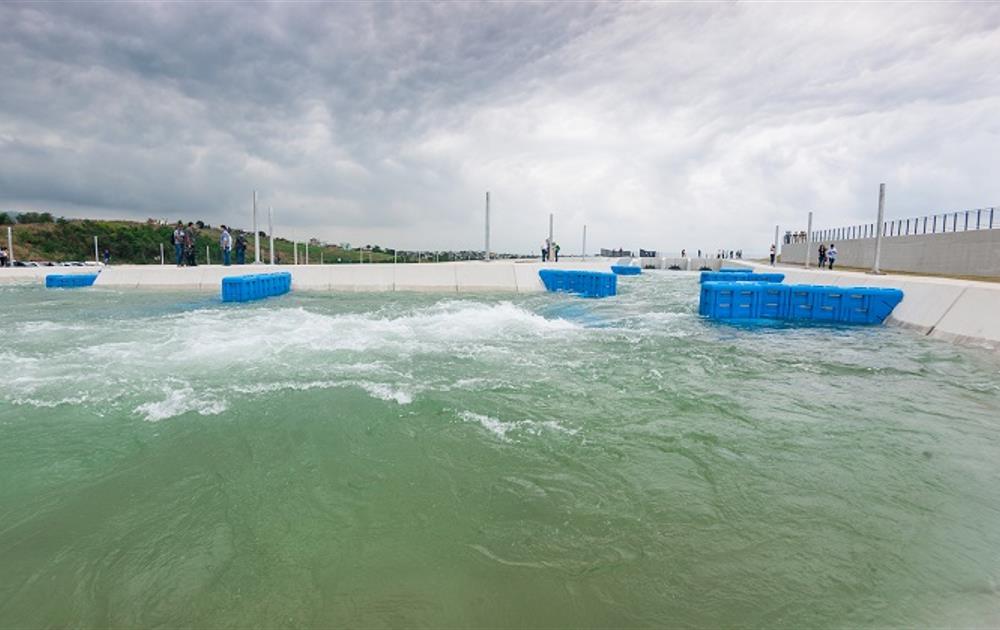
{"points": [[809, 234], [878, 229], [270, 232], [256, 234], [487, 226]]}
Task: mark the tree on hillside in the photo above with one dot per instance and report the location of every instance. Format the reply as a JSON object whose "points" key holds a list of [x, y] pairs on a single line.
{"points": [[5, 219], [35, 217]]}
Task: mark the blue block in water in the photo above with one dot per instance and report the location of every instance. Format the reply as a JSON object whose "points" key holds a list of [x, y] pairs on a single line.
{"points": [[797, 302], [626, 270], [586, 283], [255, 286], [69, 280], [742, 276]]}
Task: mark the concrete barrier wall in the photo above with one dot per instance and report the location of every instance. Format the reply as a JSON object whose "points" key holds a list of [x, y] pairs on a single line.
{"points": [[504, 276], [954, 310], [973, 253], [37, 274]]}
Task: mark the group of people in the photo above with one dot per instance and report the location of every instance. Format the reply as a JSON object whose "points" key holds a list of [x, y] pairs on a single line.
{"points": [[185, 237], [827, 255], [550, 248], [732, 254]]}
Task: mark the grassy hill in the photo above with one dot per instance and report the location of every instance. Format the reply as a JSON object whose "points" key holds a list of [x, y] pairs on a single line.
{"points": [[139, 243]]}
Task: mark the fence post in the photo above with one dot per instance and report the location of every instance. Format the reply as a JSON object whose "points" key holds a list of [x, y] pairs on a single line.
{"points": [[954, 223], [991, 222], [979, 216], [966, 228], [879, 224], [97, 257], [161, 253]]}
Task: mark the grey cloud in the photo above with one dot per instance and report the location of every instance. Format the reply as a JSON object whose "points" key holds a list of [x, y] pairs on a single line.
{"points": [[677, 125]]}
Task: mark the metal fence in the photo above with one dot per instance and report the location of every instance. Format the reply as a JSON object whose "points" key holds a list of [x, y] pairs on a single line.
{"points": [[947, 222]]}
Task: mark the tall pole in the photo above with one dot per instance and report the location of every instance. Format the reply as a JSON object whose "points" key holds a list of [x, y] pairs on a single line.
{"points": [[307, 252], [776, 242], [551, 241], [878, 229], [270, 232], [487, 258], [161, 254], [97, 257], [208, 257], [10, 244], [256, 233], [295, 252], [583, 251], [809, 235]]}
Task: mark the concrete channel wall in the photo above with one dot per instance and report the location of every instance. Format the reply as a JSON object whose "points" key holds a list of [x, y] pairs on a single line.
{"points": [[972, 253], [463, 277], [963, 311]]}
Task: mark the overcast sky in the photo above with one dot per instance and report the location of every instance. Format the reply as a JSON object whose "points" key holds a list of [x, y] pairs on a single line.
{"points": [[658, 125]]}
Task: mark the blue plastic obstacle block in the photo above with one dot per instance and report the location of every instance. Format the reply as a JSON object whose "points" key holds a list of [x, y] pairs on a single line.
{"points": [[69, 280], [797, 302], [255, 286], [626, 270], [586, 283], [743, 276]]}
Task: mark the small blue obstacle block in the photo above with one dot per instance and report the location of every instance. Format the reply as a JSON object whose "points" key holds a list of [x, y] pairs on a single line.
{"points": [[69, 280], [626, 270], [743, 276], [595, 284], [255, 286], [797, 302]]}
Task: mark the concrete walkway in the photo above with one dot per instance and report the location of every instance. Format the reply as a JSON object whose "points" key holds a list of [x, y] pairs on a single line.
{"points": [[964, 311]]}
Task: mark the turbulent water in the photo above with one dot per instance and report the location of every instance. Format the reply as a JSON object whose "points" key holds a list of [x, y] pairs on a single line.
{"points": [[373, 460]]}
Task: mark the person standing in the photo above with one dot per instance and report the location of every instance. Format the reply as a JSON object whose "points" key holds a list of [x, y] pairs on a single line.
{"points": [[822, 255], [555, 247], [226, 245], [545, 250], [241, 249], [190, 238], [684, 253], [831, 255], [178, 239], [107, 256], [774, 251], [3, 256]]}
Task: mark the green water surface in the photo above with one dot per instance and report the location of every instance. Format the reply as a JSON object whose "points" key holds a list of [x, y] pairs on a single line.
{"points": [[412, 460]]}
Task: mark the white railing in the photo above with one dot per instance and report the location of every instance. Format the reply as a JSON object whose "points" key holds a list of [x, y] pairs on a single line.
{"points": [[947, 222]]}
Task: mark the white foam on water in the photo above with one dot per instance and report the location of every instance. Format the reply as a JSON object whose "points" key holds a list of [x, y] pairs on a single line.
{"points": [[501, 428], [180, 401], [383, 391]]}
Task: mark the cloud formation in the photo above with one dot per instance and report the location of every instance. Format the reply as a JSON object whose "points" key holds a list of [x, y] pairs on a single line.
{"points": [[660, 125]]}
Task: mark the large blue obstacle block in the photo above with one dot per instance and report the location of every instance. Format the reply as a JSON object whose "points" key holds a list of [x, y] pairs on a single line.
{"points": [[595, 284], [797, 302], [255, 286], [626, 270], [69, 280], [743, 276]]}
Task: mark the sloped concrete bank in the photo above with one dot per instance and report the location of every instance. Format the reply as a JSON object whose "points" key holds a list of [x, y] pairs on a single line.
{"points": [[962, 311]]}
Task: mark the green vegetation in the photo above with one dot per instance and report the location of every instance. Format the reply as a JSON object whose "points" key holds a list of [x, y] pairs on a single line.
{"points": [[37, 236]]}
